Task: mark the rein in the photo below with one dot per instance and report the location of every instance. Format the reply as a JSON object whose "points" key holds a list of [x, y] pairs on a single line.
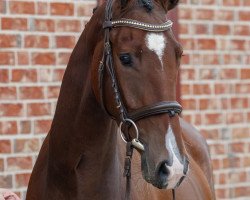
{"points": [[106, 65]]}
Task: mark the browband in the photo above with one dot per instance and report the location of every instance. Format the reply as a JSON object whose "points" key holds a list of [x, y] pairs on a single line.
{"points": [[138, 25]]}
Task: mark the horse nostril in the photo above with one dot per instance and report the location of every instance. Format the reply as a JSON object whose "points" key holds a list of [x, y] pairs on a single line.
{"points": [[164, 169]]}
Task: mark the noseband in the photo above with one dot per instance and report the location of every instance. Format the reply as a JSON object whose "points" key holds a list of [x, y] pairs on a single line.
{"points": [[106, 64]]}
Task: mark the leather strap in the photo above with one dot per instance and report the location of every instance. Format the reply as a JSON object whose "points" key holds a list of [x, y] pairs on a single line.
{"points": [[169, 107]]}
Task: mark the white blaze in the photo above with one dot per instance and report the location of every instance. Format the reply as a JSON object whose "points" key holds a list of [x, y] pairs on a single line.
{"points": [[176, 170], [156, 42]]}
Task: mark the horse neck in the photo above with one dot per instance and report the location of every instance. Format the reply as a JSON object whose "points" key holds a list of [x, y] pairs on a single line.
{"points": [[82, 139]]}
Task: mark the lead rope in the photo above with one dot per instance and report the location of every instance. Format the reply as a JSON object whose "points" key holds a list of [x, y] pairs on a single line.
{"points": [[127, 169], [173, 193]]}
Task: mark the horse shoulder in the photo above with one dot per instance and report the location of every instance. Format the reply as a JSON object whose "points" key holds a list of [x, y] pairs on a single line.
{"points": [[198, 149]]}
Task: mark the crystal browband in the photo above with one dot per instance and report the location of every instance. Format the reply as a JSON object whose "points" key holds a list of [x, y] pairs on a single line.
{"points": [[139, 25]]}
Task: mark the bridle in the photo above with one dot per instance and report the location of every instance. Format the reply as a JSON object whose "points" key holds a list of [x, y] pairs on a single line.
{"points": [[106, 64]]}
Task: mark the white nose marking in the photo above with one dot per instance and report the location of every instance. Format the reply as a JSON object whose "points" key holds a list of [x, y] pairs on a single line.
{"points": [[156, 42], [177, 168]]}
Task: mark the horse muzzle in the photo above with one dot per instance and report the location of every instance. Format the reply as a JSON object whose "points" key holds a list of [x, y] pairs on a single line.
{"points": [[169, 176]]}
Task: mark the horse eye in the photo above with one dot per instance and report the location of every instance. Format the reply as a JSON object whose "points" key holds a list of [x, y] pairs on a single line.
{"points": [[126, 59]]}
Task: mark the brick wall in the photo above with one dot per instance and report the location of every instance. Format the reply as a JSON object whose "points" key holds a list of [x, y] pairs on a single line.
{"points": [[36, 39], [216, 86]]}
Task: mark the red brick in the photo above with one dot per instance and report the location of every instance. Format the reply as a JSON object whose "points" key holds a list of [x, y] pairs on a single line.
{"points": [[65, 42], [208, 2], [35, 41], [8, 128], [232, 59], [209, 104], [19, 7], [45, 75], [216, 163], [7, 58], [202, 89], [6, 181], [185, 13], [8, 41], [22, 180], [62, 9], [207, 74], [217, 149], [225, 103], [241, 30], [19, 163], [68, 26], [4, 75], [185, 59], [238, 147], [242, 191], [42, 8], [246, 161], [20, 24], [31, 93], [8, 93], [183, 28], [203, 14], [221, 193], [39, 109], [242, 88], [24, 75], [234, 118], [212, 134], [45, 25], [1, 165], [224, 15], [85, 9], [206, 44], [42, 126], [221, 29], [246, 3], [26, 145], [43, 58], [213, 118], [231, 2], [58, 74], [63, 58], [22, 58], [25, 127], [187, 43], [186, 89], [244, 15], [11, 110], [53, 92], [239, 103], [5, 146], [189, 104], [200, 29], [245, 74], [238, 45], [241, 133], [3, 6], [228, 74]]}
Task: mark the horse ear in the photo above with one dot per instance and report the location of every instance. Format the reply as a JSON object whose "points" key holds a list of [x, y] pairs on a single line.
{"points": [[168, 4]]}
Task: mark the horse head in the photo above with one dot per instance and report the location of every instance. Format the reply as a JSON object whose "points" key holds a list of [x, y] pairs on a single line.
{"points": [[138, 68]]}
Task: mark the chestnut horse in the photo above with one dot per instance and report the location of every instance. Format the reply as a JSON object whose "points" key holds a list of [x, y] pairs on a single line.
{"points": [[121, 78]]}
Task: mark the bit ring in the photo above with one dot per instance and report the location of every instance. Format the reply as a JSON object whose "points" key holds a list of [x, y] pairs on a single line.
{"points": [[133, 124]]}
